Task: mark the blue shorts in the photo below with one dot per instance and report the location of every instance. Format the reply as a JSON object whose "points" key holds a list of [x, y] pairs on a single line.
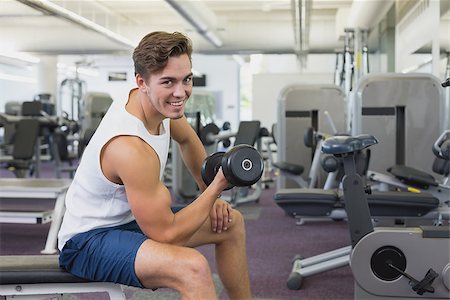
{"points": [[104, 254]]}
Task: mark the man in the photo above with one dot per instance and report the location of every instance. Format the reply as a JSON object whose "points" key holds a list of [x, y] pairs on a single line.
{"points": [[118, 225]]}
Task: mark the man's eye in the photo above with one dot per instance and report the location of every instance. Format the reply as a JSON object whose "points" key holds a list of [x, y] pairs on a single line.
{"points": [[168, 82]]}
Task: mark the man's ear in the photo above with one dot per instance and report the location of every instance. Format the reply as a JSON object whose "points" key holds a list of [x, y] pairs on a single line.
{"points": [[140, 82]]}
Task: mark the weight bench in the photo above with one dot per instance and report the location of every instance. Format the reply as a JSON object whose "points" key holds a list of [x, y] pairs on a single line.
{"points": [[401, 204], [304, 203], [40, 277], [319, 203], [329, 204]]}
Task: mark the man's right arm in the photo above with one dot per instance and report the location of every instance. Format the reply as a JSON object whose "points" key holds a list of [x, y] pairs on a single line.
{"points": [[134, 163]]}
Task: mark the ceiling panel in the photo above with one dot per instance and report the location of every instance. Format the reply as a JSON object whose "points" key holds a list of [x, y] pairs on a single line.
{"points": [[264, 26]]}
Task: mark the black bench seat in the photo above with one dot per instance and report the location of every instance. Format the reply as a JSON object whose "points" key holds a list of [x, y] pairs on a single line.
{"points": [[40, 277], [30, 269], [318, 202]]}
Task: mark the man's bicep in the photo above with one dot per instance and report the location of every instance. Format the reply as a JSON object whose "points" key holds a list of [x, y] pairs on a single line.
{"points": [[148, 198], [181, 131], [151, 208]]}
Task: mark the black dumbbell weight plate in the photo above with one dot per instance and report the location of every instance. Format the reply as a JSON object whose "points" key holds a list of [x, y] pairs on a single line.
{"points": [[210, 167], [209, 129], [242, 165]]}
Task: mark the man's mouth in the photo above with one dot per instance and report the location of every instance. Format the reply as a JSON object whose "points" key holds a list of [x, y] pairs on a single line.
{"points": [[177, 104]]}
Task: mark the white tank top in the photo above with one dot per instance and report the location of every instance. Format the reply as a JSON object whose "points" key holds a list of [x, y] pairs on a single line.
{"points": [[93, 201]]}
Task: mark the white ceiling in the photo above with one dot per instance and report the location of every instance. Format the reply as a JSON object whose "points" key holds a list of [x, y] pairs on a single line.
{"points": [[249, 26]]}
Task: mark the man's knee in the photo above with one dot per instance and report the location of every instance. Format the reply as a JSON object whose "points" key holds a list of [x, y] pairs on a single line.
{"points": [[238, 223], [196, 266]]}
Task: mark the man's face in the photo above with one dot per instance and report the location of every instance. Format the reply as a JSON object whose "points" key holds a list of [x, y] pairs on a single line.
{"points": [[170, 88]]}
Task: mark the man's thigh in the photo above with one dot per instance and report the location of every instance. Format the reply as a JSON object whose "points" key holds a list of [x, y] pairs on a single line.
{"points": [[104, 255], [163, 265], [205, 234]]}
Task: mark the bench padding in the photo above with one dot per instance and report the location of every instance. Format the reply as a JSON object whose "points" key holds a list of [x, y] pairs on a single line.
{"points": [[306, 202], [401, 204], [318, 202], [27, 269]]}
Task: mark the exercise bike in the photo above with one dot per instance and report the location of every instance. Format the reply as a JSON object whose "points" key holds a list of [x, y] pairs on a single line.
{"points": [[390, 263]]}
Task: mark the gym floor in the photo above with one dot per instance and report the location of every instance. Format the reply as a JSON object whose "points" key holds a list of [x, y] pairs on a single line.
{"points": [[273, 241]]}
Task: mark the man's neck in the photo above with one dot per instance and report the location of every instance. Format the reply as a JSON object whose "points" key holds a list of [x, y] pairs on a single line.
{"points": [[139, 106]]}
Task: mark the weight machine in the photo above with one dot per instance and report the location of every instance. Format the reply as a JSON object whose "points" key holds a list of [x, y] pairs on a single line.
{"points": [[353, 62]]}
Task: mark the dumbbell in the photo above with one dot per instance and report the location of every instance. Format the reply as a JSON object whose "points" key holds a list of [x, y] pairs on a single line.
{"points": [[210, 133], [242, 165]]}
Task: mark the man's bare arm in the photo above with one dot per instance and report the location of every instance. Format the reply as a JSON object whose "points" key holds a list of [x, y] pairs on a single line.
{"points": [[137, 166]]}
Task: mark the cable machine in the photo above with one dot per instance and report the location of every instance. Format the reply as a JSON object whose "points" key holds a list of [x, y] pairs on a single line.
{"points": [[71, 92]]}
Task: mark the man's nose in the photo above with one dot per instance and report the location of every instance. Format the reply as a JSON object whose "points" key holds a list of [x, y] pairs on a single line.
{"points": [[180, 90]]}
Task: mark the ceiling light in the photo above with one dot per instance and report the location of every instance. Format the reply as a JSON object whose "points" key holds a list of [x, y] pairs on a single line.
{"points": [[21, 56], [196, 22], [50, 8], [17, 78]]}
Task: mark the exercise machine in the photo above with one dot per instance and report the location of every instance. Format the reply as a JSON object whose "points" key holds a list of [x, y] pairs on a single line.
{"points": [[387, 208], [312, 139], [389, 263], [23, 149], [353, 62], [417, 181], [411, 111], [27, 143], [299, 108], [319, 203]]}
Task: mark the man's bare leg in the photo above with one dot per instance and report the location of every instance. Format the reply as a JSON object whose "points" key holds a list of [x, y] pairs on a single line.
{"points": [[181, 268], [231, 256]]}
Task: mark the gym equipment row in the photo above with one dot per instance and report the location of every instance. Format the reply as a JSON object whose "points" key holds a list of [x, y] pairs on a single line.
{"points": [[30, 129], [385, 207]]}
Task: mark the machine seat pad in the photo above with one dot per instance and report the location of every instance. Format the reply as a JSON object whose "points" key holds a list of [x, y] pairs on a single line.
{"points": [[413, 176], [306, 202], [401, 204], [28, 269], [290, 168]]}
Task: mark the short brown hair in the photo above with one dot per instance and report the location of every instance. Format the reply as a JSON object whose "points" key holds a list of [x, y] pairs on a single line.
{"points": [[154, 50]]}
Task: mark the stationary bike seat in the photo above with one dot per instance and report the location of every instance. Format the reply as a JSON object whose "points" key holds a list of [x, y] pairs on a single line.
{"points": [[338, 145]]}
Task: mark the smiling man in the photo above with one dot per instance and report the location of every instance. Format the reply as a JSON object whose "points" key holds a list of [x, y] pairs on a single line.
{"points": [[119, 226]]}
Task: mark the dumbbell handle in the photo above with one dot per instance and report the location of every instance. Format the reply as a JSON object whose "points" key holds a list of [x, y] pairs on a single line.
{"points": [[220, 137]]}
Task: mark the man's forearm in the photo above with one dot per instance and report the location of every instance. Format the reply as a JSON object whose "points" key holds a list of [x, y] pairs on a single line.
{"points": [[193, 155]]}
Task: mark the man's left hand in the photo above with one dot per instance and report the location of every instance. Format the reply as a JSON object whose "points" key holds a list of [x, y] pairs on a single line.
{"points": [[221, 216]]}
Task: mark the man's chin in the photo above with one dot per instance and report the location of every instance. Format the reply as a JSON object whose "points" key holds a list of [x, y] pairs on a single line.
{"points": [[177, 115]]}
